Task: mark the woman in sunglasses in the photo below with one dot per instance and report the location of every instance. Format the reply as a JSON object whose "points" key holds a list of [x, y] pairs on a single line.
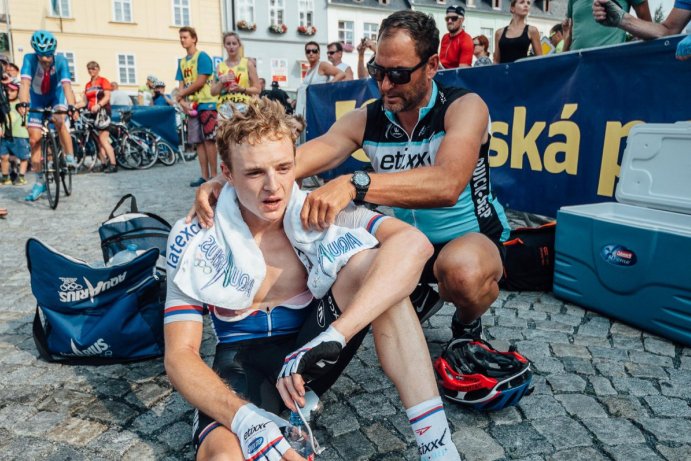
{"points": [[514, 40], [481, 51], [319, 72]]}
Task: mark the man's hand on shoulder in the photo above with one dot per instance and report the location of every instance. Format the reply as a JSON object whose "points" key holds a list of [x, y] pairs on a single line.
{"points": [[322, 205], [204, 201], [259, 433]]}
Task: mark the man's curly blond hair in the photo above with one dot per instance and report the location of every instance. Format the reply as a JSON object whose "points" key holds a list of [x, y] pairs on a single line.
{"points": [[263, 120]]}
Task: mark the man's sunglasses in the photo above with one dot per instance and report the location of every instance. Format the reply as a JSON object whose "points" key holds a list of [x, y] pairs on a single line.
{"points": [[311, 51], [397, 75], [452, 18], [331, 52]]}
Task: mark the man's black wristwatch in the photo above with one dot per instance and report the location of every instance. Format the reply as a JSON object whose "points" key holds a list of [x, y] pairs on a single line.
{"points": [[360, 180]]}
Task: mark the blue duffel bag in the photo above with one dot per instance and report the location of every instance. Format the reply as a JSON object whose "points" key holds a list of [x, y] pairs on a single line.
{"points": [[95, 315]]}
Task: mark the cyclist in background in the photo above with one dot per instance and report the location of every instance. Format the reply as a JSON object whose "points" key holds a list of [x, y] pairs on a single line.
{"points": [[46, 82]]}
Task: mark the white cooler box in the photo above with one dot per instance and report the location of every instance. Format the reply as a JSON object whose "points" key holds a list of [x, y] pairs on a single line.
{"points": [[632, 260]]}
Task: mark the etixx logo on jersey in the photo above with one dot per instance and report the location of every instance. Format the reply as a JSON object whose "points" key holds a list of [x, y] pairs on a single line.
{"points": [[71, 290], [618, 255]]}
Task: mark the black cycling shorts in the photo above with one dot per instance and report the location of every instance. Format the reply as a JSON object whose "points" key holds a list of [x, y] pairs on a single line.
{"points": [[427, 275], [251, 367]]}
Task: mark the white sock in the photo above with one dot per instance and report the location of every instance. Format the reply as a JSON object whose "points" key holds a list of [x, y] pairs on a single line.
{"points": [[432, 433]]}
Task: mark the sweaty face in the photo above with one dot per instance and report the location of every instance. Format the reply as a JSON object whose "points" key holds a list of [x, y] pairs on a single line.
{"points": [[398, 50], [263, 177], [231, 44]]}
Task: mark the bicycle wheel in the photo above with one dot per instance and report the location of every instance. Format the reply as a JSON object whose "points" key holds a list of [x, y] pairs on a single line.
{"points": [[166, 153], [51, 170], [147, 142], [65, 176], [78, 148]]}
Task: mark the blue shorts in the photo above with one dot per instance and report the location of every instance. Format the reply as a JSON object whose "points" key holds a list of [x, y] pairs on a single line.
{"points": [[55, 100], [19, 147]]}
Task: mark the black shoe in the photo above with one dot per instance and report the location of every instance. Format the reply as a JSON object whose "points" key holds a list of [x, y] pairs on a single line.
{"points": [[471, 331], [198, 182], [426, 301], [111, 169]]}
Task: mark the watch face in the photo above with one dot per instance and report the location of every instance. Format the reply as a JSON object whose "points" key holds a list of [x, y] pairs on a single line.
{"points": [[361, 179]]}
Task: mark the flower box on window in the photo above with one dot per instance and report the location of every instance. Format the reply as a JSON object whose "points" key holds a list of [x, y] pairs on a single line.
{"points": [[247, 26], [278, 28], [307, 30], [348, 47]]}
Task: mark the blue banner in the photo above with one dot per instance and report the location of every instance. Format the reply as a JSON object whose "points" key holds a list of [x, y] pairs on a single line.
{"points": [[559, 122], [159, 119]]}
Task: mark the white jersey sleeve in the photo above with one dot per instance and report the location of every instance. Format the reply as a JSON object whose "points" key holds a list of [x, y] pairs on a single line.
{"points": [[179, 306]]}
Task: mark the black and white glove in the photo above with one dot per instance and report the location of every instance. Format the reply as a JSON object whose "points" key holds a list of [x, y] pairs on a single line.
{"points": [[316, 357], [259, 433], [614, 14]]}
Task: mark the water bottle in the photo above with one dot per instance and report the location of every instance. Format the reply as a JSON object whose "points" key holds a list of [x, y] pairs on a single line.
{"points": [[298, 434], [124, 256], [297, 437]]}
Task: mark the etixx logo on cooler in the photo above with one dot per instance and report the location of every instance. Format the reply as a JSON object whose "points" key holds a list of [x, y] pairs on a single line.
{"points": [[618, 255]]}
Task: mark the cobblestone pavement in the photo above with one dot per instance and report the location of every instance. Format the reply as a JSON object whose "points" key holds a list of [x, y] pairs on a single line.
{"points": [[603, 390]]}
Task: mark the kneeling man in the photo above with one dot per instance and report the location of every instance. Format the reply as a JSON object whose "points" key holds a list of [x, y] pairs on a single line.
{"points": [[289, 306]]}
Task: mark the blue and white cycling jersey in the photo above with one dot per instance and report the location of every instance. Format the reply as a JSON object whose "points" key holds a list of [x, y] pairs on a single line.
{"points": [[34, 71], [230, 325]]}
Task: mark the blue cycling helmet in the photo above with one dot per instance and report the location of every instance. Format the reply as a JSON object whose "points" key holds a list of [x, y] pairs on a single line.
{"points": [[475, 374], [44, 43]]}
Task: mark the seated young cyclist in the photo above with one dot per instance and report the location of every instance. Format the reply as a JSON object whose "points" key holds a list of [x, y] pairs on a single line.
{"points": [[46, 82], [289, 307]]}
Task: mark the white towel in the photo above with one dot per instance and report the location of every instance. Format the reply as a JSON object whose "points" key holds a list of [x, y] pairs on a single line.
{"points": [[223, 266]]}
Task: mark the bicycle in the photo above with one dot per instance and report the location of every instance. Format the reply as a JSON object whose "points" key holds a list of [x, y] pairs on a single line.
{"points": [[85, 143], [55, 168], [129, 149]]}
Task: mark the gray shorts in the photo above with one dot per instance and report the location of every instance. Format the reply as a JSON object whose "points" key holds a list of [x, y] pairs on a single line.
{"points": [[202, 127]]}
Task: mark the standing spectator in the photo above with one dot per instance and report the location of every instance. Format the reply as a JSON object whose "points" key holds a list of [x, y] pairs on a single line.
{"points": [[609, 14], [319, 72], [481, 51], [364, 45], [277, 94], [146, 91], [118, 97], [514, 40], [262, 86], [235, 80], [12, 69], [556, 38], [334, 53], [97, 96], [18, 144], [160, 97], [456, 48], [581, 31], [194, 77]]}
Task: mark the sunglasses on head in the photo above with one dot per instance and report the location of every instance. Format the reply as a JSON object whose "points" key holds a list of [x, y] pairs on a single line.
{"points": [[311, 51], [397, 75]]}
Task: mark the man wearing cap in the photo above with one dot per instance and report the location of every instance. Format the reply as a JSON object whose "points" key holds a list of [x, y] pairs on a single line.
{"points": [[456, 48], [146, 92], [277, 94]]}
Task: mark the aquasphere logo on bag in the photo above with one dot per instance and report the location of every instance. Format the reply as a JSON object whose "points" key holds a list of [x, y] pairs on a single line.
{"points": [[70, 290], [618, 255]]}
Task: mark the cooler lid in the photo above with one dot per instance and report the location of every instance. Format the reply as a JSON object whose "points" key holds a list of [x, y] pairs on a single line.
{"points": [[656, 168]]}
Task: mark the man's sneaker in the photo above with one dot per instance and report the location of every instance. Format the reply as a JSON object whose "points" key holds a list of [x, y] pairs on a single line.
{"points": [[36, 192], [198, 182], [70, 161], [19, 181], [471, 331], [426, 301], [6, 181], [111, 169]]}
